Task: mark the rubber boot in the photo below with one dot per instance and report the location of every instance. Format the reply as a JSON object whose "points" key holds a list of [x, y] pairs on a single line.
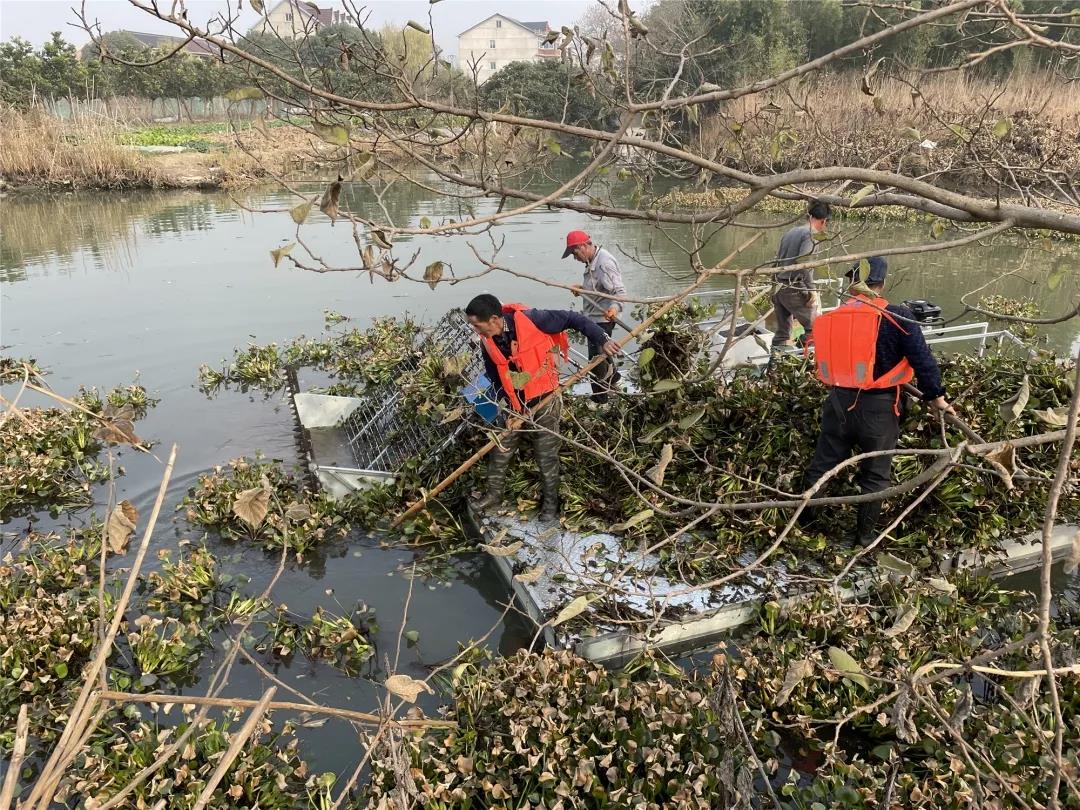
{"points": [[498, 462], [547, 460], [866, 523]]}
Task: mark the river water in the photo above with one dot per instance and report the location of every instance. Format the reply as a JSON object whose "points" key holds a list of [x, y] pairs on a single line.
{"points": [[99, 288]]}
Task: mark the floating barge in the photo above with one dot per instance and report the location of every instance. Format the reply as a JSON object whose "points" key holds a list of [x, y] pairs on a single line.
{"points": [[351, 443]]}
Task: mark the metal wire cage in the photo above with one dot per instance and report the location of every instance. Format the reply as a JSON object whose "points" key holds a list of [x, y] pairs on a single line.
{"points": [[382, 434]]}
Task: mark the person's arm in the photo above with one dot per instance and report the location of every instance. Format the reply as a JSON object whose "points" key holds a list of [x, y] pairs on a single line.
{"points": [[609, 278], [806, 248], [553, 321], [918, 353]]}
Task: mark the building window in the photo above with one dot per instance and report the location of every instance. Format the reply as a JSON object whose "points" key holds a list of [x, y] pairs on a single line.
{"points": [[491, 66], [498, 23], [491, 44]]}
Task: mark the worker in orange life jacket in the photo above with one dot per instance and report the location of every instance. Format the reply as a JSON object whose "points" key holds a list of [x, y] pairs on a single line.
{"points": [[521, 354], [865, 350]]}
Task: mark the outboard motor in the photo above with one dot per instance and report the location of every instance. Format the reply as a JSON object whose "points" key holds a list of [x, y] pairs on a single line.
{"points": [[926, 313]]}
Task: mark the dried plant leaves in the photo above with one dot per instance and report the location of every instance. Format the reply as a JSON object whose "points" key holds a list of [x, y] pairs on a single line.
{"points": [[1054, 417], [531, 575], [656, 472], [328, 203], [574, 608], [300, 212], [117, 426], [796, 672], [903, 622], [406, 688], [433, 273], [251, 505], [278, 253], [502, 551], [1004, 461], [121, 525]]}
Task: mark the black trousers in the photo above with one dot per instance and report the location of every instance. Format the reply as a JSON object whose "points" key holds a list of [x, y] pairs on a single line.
{"points": [[872, 424], [604, 375]]}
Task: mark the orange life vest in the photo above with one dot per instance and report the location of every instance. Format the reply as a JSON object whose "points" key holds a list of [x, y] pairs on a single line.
{"points": [[533, 352], [845, 346]]}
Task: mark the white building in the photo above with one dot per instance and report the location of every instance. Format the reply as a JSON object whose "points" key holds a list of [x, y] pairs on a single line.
{"points": [[291, 19], [494, 43]]}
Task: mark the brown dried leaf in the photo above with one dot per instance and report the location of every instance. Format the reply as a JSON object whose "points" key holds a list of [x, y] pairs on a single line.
{"points": [[406, 688], [278, 253], [251, 505], [300, 212], [452, 415], [573, 609], [1054, 417], [297, 512], [121, 524], [1012, 408], [656, 473], [531, 575], [328, 204], [1004, 461], [433, 273], [502, 551], [118, 431], [902, 623], [796, 672]]}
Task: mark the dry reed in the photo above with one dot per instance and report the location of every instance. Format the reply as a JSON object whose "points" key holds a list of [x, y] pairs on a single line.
{"points": [[37, 149]]}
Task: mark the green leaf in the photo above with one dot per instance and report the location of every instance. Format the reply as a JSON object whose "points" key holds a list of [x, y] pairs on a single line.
{"points": [[864, 270], [277, 253], [937, 229], [646, 356], [332, 133], [630, 523], [960, 132], [61, 669], [656, 431], [666, 385], [750, 312], [861, 194], [425, 223], [692, 418], [1002, 128], [848, 667], [519, 378], [300, 212], [553, 146], [895, 565], [411, 636]]}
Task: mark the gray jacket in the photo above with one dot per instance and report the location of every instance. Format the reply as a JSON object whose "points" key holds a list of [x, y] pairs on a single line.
{"points": [[601, 274], [796, 244]]}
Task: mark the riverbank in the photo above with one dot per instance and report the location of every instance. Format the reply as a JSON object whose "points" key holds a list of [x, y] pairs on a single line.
{"points": [[39, 152]]}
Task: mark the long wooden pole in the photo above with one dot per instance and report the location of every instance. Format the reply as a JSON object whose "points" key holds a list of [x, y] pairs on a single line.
{"points": [[573, 378]]}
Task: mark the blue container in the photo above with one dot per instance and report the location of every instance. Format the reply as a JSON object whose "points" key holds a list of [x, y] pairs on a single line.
{"points": [[481, 395]]}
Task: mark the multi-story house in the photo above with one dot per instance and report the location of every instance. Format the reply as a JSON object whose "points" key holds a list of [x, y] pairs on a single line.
{"points": [[494, 43], [291, 19]]}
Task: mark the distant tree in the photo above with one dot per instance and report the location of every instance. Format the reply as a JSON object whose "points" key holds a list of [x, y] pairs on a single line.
{"points": [[540, 90], [61, 71], [20, 72]]}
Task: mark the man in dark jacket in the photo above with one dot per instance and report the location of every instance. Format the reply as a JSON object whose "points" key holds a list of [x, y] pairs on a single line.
{"points": [[520, 354], [867, 413]]}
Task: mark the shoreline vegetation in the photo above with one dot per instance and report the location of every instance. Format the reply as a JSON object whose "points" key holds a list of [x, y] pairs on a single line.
{"points": [[928, 133]]}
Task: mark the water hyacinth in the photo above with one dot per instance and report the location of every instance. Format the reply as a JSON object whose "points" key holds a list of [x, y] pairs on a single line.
{"points": [[344, 641], [258, 500], [553, 730]]}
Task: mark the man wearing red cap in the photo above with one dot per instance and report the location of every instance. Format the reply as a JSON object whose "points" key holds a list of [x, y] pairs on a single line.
{"points": [[602, 275]]}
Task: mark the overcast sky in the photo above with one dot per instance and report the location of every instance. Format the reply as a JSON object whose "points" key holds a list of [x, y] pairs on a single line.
{"points": [[34, 20]]}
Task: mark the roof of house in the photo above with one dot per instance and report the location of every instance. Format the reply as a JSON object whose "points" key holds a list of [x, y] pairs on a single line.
{"points": [[196, 47], [531, 27], [323, 16]]}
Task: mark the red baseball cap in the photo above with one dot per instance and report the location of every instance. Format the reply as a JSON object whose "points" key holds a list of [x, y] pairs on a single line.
{"points": [[573, 239]]}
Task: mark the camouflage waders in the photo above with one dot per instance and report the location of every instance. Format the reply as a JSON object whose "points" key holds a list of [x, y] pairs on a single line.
{"points": [[546, 441]]}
